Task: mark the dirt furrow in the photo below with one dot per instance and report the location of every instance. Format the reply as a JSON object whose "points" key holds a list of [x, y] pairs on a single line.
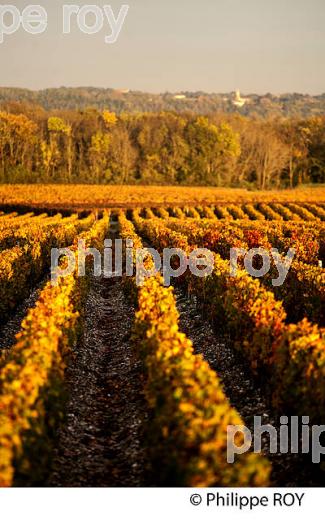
{"points": [[12, 326], [243, 392], [101, 443]]}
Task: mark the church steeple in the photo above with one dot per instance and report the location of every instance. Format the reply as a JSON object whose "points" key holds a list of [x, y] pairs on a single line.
{"points": [[239, 101]]}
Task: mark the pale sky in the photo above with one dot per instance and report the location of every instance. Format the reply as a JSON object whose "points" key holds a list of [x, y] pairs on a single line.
{"points": [[212, 45]]}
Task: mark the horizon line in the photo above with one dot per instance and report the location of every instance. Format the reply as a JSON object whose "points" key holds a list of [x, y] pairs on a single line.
{"points": [[126, 91]]}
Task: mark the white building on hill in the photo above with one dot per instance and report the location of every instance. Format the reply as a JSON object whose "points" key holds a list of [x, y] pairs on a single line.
{"points": [[239, 101]]}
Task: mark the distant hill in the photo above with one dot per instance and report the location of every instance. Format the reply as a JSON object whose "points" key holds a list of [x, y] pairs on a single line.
{"points": [[300, 105]]}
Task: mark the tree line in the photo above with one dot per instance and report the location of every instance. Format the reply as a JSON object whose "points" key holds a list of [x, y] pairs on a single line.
{"points": [[92, 146], [199, 102]]}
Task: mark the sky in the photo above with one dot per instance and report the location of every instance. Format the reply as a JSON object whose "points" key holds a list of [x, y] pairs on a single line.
{"points": [[257, 46]]}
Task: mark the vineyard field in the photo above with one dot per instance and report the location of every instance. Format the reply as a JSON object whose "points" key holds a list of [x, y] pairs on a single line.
{"points": [[82, 196], [108, 382]]}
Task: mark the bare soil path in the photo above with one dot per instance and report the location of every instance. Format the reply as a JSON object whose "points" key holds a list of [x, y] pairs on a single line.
{"points": [[12, 326], [102, 441], [243, 392]]}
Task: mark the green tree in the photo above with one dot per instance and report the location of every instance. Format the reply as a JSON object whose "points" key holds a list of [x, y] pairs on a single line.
{"points": [[57, 129], [98, 152], [212, 151]]}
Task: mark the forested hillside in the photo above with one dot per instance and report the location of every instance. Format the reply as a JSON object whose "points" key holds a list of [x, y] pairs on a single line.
{"points": [[166, 148], [268, 105]]}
